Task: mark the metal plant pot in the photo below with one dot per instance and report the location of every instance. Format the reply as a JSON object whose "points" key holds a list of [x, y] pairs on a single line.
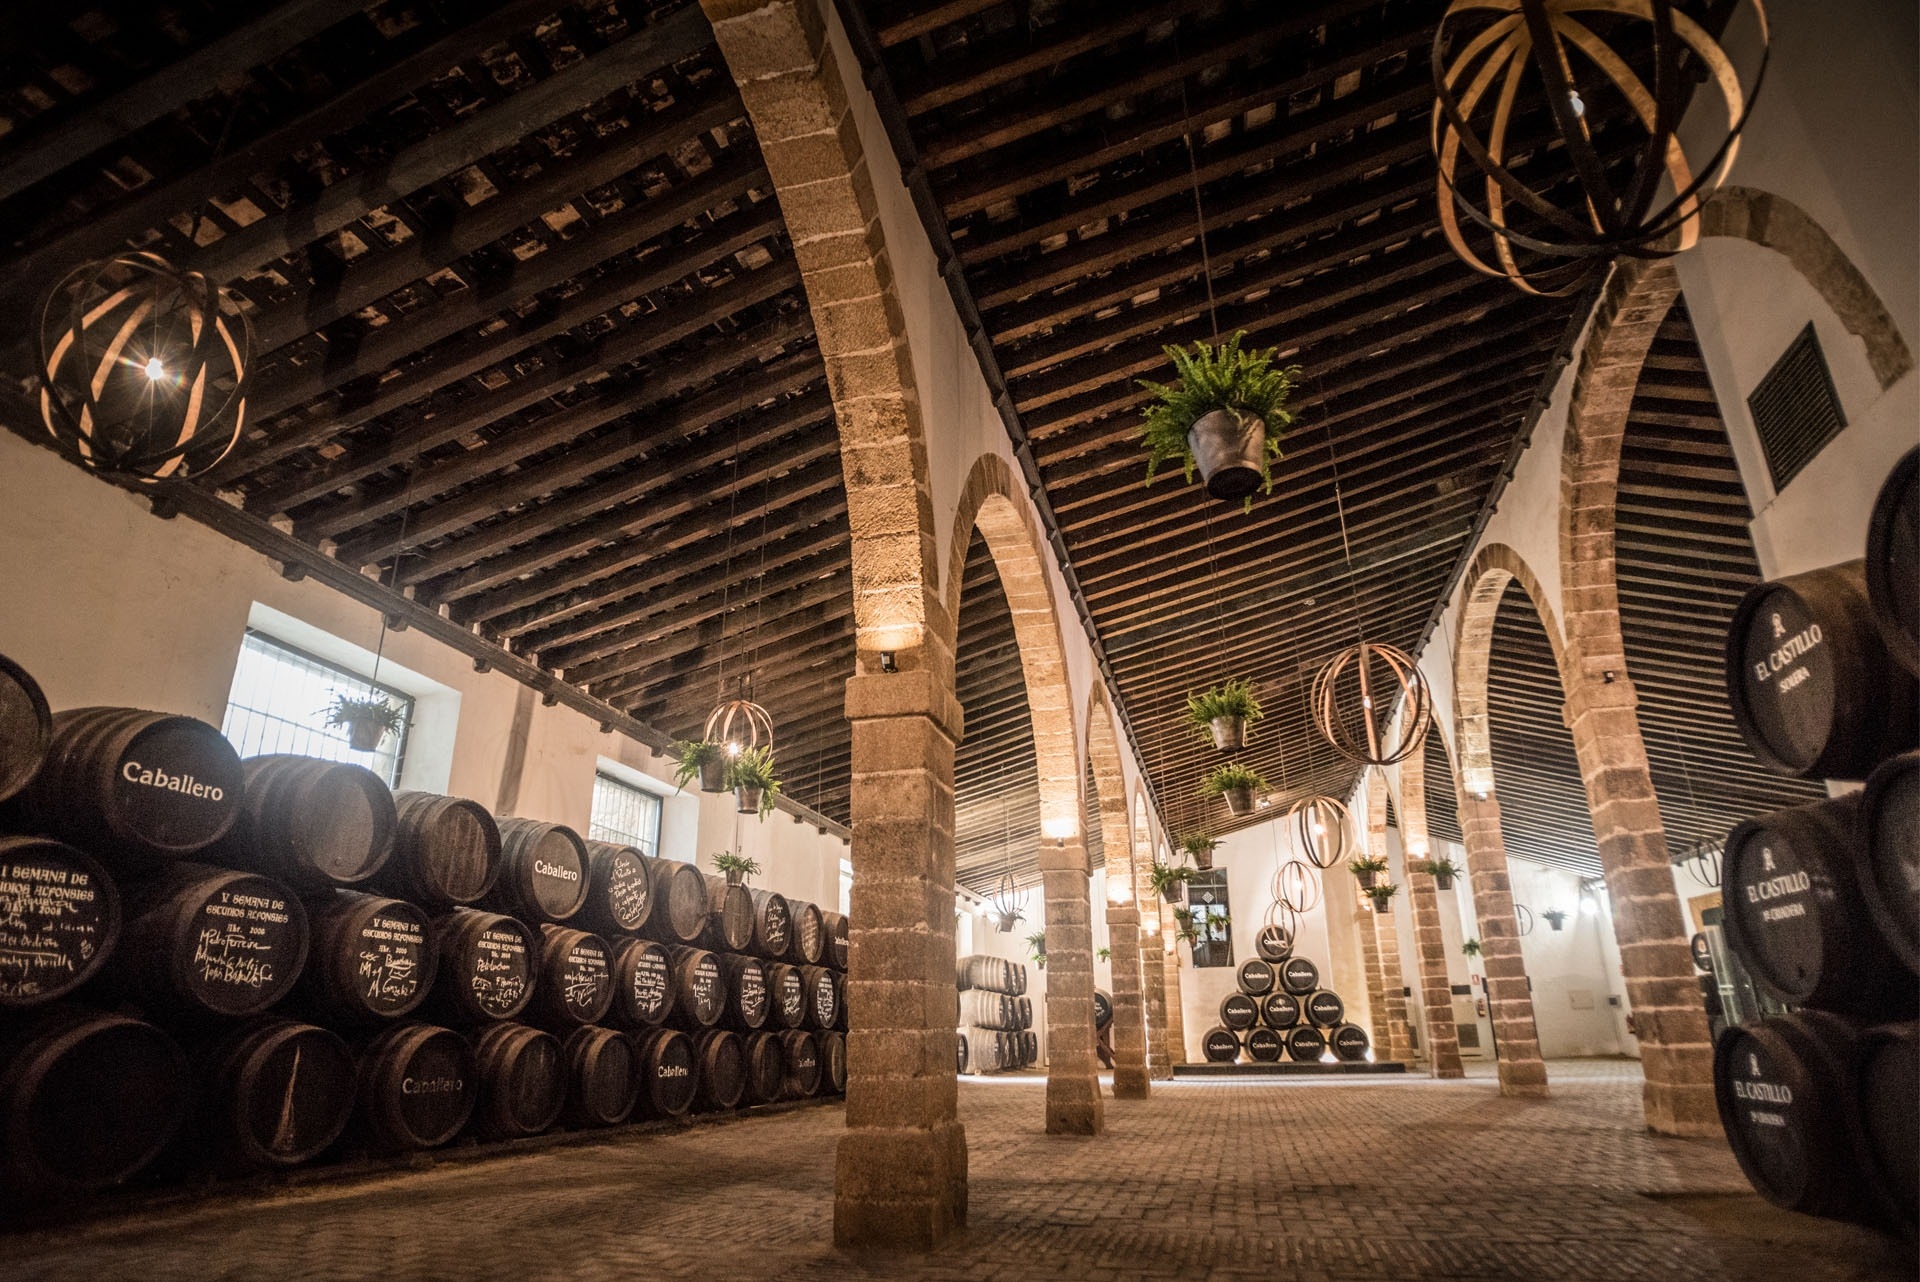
{"points": [[746, 798], [713, 775], [1239, 801], [1443, 881], [1203, 860], [1556, 920], [1367, 878], [1173, 892], [1228, 448], [1383, 907], [1229, 733], [734, 878], [365, 736]]}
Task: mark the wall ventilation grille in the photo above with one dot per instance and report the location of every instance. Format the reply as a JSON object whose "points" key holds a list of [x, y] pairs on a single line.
{"points": [[1795, 409]]}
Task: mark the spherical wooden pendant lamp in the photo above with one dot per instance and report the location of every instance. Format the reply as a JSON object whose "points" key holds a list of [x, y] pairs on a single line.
{"points": [[1353, 701], [1296, 886], [740, 723], [1322, 829], [143, 368], [1497, 61]]}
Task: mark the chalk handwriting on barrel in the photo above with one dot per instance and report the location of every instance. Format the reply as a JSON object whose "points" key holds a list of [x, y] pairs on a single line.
{"points": [[628, 894], [230, 956], [48, 925], [389, 973]]}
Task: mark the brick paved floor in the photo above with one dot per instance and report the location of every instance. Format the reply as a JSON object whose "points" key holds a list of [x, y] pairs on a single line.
{"points": [[1218, 1181]]}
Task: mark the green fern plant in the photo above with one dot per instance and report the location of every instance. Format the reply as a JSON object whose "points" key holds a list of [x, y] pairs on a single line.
{"points": [[1232, 699], [1230, 777], [1227, 377]]}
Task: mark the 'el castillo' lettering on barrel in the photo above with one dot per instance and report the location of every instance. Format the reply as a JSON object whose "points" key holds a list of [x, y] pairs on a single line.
{"points": [[1788, 654]]}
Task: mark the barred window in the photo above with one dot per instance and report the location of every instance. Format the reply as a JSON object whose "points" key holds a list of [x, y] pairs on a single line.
{"points": [[279, 703], [625, 815]]}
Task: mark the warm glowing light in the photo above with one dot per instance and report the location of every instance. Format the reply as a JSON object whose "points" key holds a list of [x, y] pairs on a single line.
{"points": [[733, 749], [1059, 829], [1319, 829], [155, 370]]}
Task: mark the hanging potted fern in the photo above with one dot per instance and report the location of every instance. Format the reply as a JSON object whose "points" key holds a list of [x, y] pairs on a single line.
{"points": [[1199, 847], [1237, 784], [1223, 416], [1037, 948], [736, 867], [1368, 869], [1470, 949], [703, 758], [1382, 896], [750, 775], [1224, 713], [367, 721], [1169, 880], [1443, 871]]}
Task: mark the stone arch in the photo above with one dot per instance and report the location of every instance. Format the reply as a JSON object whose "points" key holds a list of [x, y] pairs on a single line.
{"points": [[1123, 919], [1496, 566]]}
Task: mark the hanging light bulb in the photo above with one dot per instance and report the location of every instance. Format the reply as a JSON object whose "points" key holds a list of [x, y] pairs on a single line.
{"points": [[1322, 828], [740, 723], [156, 369]]}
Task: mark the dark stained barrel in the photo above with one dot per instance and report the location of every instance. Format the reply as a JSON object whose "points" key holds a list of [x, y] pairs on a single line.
{"points": [[1893, 560], [1349, 1042], [833, 1054], [1102, 1010], [803, 1063], [275, 1092], [1324, 1008], [26, 727], [837, 949], [664, 1066], [788, 995], [772, 925], [1796, 918], [1280, 1010], [573, 978], [87, 1100], [748, 1001], [1888, 1123], [679, 913], [309, 824], [486, 966], [417, 1087], [1886, 854], [370, 959], [729, 917], [823, 997], [209, 941], [1306, 1044], [722, 1060], [543, 872], [446, 852], [1257, 977], [699, 990], [1274, 943], [603, 1083], [1299, 976], [1220, 1046], [766, 1068], [1239, 1011], [809, 940], [619, 890], [1813, 689], [1264, 1045], [138, 789], [523, 1081], [960, 1058], [59, 920], [642, 984]]}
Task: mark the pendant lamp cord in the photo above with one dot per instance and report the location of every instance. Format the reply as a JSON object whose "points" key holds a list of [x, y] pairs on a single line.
{"points": [[726, 583]]}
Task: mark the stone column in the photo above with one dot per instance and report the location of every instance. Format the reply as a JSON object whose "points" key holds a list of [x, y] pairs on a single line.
{"points": [[901, 1169], [1429, 945], [1161, 1055], [1394, 986], [1170, 966], [1129, 1028], [1073, 1092], [1376, 987], [1509, 1000]]}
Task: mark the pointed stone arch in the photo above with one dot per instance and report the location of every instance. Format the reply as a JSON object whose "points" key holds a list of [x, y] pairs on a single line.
{"points": [[1493, 569], [1123, 919]]}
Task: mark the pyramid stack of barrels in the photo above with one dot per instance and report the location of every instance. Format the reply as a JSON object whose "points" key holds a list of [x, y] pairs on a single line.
{"points": [[1280, 1011], [211, 966], [995, 1016], [1821, 901]]}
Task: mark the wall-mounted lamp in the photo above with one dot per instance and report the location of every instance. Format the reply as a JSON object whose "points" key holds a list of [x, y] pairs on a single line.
{"points": [[887, 663]]}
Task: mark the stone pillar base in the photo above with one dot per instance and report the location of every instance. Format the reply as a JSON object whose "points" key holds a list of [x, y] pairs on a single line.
{"points": [[900, 1189], [1526, 1079], [1131, 1082], [1073, 1106], [1687, 1112]]}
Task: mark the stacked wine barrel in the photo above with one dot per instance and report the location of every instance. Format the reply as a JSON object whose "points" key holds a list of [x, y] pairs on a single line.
{"points": [[1821, 901], [1279, 1010], [996, 1016], [213, 966]]}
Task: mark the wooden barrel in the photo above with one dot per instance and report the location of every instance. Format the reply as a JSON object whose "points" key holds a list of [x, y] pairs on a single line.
{"points": [[978, 1007], [88, 1100], [642, 984], [1102, 1010], [668, 1077], [59, 920], [309, 824], [729, 916], [1889, 1125], [960, 1037], [619, 890], [417, 1087], [837, 943], [823, 997], [1280, 1010], [1306, 1044], [699, 990], [766, 1068], [603, 1084], [370, 959], [1299, 976], [1886, 854], [1273, 943], [1813, 689], [1324, 1008], [1030, 1047], [809, 938], [209, 941], [788, 1007], [275, 1092], [1257, 977], [833, 1055], [446, 852], [803, 1063], [983, 1050], [1239, 1011], [679, 913], [1795, 916], [993, 974], [486, 966], [1893, 560], [523, 1081], [543, 872], [1349, 1042], [1264, 1045], [1220, 1046], [772, 925], [26, 727], [748, 1000], [573, 978], [722, 1060], [137, 789]]}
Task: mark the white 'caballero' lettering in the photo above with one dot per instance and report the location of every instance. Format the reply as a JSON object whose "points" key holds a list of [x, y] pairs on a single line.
{"points": [[546, 869], [134, 772]]}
